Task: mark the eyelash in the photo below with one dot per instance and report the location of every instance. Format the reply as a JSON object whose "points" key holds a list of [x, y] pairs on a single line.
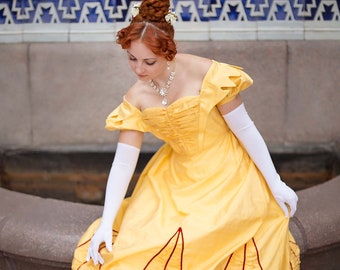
{"points": [[149, 64]]}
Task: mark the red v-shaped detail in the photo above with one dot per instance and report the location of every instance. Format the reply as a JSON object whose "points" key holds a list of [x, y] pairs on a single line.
{"points": [[170, 254]]}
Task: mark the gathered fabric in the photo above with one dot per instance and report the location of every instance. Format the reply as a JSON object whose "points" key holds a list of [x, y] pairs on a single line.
{"points": [[200, 203]]}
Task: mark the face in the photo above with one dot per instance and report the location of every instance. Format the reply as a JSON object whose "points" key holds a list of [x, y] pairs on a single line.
{"points": [[144, 63]]}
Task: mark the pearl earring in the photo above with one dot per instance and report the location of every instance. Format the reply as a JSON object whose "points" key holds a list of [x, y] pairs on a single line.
{"points": [[168, 65]]}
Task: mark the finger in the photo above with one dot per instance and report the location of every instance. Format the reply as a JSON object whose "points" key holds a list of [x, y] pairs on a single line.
{"points": [[100, 259], [292, 209], [89, 255], [95, 258], [93, 255], [108, 244], [93, 251], [284, 208]]}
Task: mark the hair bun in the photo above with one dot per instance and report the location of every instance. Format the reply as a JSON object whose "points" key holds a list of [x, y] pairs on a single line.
{"points": [[152, 23], [154, 10]]}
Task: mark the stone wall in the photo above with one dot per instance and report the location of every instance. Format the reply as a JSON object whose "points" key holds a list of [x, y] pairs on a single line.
{"points": [[57, 95]]}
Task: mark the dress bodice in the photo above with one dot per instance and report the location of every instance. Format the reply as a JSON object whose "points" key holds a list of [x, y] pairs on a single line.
{"points": [[186, 123], [177, 124]]}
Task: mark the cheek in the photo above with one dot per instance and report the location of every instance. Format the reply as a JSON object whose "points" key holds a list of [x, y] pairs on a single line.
{"points": [[155, 70], [131, 64]]}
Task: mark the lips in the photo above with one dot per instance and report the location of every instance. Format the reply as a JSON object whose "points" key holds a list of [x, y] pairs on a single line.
{"points": [[140, 76]]}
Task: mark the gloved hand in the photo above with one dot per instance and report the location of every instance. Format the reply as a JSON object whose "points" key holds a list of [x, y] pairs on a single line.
{"points": [[103, 234], [284, 196], [121, 172], [244, 129]]}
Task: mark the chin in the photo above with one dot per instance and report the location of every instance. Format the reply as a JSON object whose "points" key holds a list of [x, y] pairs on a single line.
{"points": [[143, 78]]}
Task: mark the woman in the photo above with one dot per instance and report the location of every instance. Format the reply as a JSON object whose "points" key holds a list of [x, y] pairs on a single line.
{"points": [[210, 198]]}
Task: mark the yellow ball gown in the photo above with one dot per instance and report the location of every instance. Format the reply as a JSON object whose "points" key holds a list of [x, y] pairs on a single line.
{"points": [[200, 203]]}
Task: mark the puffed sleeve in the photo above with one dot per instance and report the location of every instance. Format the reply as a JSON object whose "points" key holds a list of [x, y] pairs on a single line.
{"points": [[224, 82], [240, 80], [125, 117]]}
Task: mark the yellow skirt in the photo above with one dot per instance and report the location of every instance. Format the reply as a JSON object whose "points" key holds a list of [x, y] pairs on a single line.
{"points": [[272, 247]]}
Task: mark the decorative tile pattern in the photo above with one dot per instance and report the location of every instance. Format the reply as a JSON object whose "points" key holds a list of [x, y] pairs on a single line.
{"points": [[21, 17]]}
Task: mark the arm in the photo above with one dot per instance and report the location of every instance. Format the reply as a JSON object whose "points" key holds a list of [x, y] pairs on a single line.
{"points": [[121, 172], [237, 118]]}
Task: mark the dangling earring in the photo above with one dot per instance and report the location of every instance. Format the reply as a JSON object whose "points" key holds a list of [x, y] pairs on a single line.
{"points": [[168, 65]]}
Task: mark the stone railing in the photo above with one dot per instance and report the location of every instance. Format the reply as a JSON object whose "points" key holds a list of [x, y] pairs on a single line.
{"points": [[37, 233]]}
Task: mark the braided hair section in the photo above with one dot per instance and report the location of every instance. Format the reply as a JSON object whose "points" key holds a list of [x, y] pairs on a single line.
{"points": [[151, 27]]}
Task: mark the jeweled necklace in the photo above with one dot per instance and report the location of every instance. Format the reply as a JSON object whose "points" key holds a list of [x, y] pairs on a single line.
{"points": [[163, 92]]}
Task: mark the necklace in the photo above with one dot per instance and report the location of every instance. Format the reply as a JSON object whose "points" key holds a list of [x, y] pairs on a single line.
{"points": [[163, 92]]}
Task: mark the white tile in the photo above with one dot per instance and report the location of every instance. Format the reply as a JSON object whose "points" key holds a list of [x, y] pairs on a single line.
{"points": [[11, 33], [191, 31], [322, 30], [280, 30], [88, 32], [232, 30], [35, 32]]}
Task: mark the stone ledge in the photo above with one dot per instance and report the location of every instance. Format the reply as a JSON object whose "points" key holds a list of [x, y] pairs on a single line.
{"points": [[37, 233], [318, 215], [41, 231]]}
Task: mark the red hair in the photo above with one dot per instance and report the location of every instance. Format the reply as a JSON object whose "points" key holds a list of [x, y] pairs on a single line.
{"points": [[150, 27]]}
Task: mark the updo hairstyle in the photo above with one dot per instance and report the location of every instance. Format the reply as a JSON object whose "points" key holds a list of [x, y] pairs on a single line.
{"points": [[151, 28]]}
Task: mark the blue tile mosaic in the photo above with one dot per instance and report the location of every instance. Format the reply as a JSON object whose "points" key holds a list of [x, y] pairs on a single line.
{"points": [[21, 18], [106, 11]]}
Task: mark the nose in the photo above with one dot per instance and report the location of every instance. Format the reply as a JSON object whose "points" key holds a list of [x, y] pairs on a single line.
{"points": [[139, 68]]}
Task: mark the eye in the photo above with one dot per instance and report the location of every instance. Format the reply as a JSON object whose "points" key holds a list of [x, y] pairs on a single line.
{"points": [[132, 58], [151, 63]]}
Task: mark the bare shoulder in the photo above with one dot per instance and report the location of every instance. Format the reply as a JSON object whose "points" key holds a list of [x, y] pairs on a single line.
{"points": [[197, 66], [135, 94]]}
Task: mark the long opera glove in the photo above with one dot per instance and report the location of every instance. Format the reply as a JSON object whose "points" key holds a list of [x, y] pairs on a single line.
{"points": [[121, 172], [244, 129]]}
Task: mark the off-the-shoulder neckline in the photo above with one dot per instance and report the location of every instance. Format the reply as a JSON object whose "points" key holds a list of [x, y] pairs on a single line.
{"points": [[162, 108], [177, 100]]}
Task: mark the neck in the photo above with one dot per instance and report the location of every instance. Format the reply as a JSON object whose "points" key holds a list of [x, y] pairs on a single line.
{"points": [[163, 90], [162, 79]]}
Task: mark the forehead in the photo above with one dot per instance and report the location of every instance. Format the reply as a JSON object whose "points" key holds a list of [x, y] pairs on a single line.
{"points": [[139, 50]]}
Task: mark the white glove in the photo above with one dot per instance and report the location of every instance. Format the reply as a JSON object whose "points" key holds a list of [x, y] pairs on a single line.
{"points": [[244, 129], [121, 172]]}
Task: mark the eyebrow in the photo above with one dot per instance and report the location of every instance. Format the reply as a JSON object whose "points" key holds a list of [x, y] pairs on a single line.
{"points": [[152, 58]]}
